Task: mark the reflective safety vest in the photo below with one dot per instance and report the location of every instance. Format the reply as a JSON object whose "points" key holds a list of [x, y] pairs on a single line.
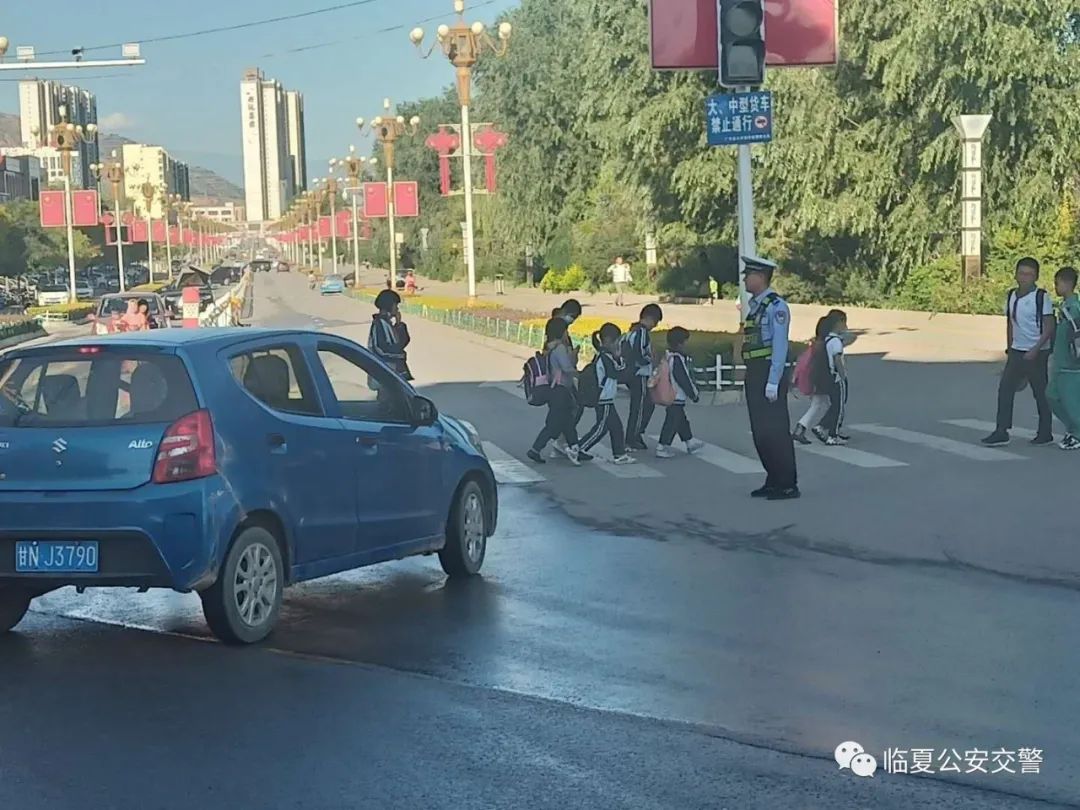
{"points": [[754, 346]]}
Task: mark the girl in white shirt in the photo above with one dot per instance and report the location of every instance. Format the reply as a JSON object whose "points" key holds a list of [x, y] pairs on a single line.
{"points": [[836, 380]]}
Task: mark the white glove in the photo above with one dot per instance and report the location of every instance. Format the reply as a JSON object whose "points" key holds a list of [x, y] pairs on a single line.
{"points": [[772, 391]]}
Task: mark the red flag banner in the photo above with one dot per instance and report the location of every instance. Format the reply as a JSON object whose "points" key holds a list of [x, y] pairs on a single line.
{"points": [[798, 33], [406, 199], [324, 228], [375, 200], [158, 230], [139, 230], [174, 234], [52, 209], [342, 224], [85, 208]]}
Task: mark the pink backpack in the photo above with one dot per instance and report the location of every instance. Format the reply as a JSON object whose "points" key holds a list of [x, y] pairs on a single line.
{"points": [[803, 378], [661, 388]]}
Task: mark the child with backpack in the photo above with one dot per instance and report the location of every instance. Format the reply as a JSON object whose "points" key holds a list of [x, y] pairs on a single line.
{"points": [[560, 378], [597, 384], [637, 351], [677, 368], [833, 378], [804, 379]]}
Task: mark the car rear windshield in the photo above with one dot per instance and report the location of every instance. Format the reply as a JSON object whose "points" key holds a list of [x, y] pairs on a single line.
{"points": [[72, 389], [118, 306]]}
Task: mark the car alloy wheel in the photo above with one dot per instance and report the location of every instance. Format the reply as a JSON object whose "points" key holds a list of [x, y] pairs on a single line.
{"points": [[255, 586], [466, 532], [472, 515]]}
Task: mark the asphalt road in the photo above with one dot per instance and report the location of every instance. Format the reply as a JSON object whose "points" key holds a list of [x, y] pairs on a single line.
{"points": [[656, 641]]}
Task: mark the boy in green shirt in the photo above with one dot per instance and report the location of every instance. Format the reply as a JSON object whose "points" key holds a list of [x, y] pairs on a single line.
{"points": [[1064, 389]]}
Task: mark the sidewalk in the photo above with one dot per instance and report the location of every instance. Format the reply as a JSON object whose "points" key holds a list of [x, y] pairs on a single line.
{"points": [[896, 334]]}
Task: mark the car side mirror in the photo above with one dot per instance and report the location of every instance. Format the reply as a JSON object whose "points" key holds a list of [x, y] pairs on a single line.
{"points": [[424, 411]]}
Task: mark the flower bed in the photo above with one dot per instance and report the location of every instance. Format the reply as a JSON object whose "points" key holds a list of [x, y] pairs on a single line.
{"points": [[18, 325]]}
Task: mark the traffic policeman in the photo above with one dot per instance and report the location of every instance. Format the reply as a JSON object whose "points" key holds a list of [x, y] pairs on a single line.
{"points": [[765, 350]]}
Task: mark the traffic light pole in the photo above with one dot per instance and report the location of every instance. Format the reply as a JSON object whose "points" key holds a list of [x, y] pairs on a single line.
{"points": [[747, 239]]}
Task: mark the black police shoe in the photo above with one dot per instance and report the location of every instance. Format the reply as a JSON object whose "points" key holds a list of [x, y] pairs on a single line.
{"points": [[789, 494], [1038, 441], [997, 439], [763, 492]]}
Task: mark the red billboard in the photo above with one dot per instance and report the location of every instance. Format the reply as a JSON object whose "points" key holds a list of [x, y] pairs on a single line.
{"points": [[406, 199], [798, 33], [85, 210], [53, 214], [375, 200]]}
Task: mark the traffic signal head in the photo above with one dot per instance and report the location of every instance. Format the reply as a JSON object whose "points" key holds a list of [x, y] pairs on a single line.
{"points": [[741, 26]]}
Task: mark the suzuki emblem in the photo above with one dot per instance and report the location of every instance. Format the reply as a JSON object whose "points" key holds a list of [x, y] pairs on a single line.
{"points": [[59, 446]]}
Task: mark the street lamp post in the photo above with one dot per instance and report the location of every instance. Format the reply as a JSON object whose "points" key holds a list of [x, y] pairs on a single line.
{"points": [[463, 45], [388, 129], [317, 197], [332, 192], [354, 166], [148, 192], [114, 175], [66, 137]]}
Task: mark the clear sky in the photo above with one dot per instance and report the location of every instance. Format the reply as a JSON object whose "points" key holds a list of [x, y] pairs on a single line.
{"points": [[187, 97]]}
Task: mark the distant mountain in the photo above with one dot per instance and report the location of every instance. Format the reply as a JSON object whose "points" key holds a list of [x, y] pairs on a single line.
{"points": [[204, 183]]}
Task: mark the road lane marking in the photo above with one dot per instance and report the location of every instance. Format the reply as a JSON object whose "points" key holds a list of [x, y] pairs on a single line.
{"points": [[727, 460], [507, 469], [604, 457], [940, 443], [983, 426], [850, 455]]}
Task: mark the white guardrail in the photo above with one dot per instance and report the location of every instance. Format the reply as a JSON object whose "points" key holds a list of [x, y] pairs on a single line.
{"points": [[225, 311]]}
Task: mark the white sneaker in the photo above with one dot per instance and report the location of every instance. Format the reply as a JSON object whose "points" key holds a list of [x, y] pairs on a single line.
{"points": [[695, 446], [625, 458], [835, 441], [559, 447], [664, 451], [572, 455]]}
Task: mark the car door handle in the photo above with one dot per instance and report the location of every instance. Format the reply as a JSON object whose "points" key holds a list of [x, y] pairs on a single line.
{"points": [[277, 443]]}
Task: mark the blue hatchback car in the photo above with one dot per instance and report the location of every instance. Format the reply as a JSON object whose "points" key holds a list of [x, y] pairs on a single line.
{"points": [[229, 462], [332, 284]]}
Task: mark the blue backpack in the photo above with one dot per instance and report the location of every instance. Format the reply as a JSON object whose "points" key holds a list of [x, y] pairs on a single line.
{"points": [[536, 380]]}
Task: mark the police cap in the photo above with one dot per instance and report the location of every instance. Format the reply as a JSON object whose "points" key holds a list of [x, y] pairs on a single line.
{"points": [[755, 264]]}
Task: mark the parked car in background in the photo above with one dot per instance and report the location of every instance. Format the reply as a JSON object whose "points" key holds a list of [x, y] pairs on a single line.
{"points": [[173, 293], [52, 295], [283, 267], [261, 265], [225, 274], [180, 459], [112, 307], [332, 284]]}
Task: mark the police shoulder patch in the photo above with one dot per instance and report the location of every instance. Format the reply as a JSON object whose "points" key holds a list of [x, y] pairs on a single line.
{"points": [[781, 316]]}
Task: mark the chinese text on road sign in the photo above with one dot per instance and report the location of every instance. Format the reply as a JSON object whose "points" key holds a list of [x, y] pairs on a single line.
{"points": [[734, 118]]}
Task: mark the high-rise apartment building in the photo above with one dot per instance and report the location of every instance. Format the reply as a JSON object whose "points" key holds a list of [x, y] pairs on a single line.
{"points": [[153, 165], [273, 139], [294, 102], [40, 103]]}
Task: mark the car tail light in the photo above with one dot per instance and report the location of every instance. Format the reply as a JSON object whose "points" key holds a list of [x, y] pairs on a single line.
{"points": [[187, 450]]}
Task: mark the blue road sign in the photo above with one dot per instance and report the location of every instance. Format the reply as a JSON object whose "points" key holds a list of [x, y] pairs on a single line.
{"points": [[734, 118]]}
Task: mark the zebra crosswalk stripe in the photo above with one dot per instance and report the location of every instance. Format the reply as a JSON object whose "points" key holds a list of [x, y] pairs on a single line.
{"points": [[726, 459], [983, 426], [851, 455], [507, 469], [945, 445], [639, 470]]}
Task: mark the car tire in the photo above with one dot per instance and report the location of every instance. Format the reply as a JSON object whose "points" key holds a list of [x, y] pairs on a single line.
{"points": [[243, 605], [466, 532], [14, 602]]}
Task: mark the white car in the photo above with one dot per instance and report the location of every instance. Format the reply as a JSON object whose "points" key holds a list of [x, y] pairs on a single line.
{"points": [[52, 294]]}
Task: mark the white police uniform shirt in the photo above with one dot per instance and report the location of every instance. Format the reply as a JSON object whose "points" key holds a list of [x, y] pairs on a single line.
{"points": [[1025, 321], [775, 324]]}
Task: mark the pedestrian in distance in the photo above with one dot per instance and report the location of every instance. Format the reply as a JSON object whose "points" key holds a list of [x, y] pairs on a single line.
{"points": [[765, 349], [620, 275], [819, 399], [676, 422], [637, 352], [1064, 389], [1029, 331], [562, 403], [714, 290], [602, 377]]}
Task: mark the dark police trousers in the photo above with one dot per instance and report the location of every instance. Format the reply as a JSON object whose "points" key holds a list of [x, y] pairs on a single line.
{"points": [[1037, 374], [770, 423]]}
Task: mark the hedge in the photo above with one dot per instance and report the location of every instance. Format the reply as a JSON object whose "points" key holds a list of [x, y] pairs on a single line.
{"points": [[23, 326], [74, 311]]}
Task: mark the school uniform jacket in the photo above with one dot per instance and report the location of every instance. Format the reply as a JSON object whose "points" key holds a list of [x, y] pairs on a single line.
{"points": [[383, 341], [608, 370], [685, 387], [638, 350]]}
